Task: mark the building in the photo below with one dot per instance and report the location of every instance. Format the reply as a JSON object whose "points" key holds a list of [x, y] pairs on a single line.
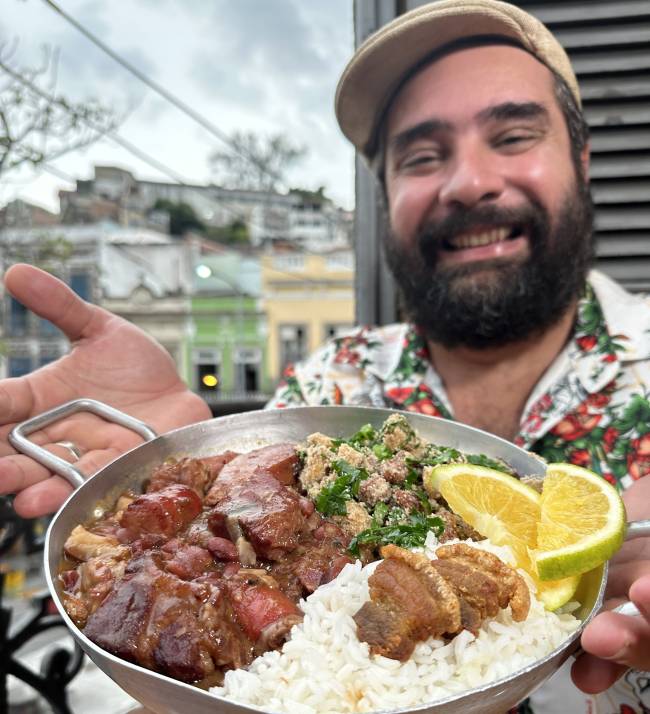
{"points": [[227, 350], [141, 275], [115, 194], [307, 298], [22, 214]]}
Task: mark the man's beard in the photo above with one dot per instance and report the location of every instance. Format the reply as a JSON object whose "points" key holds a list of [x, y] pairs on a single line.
{"points": [[513, 299]]}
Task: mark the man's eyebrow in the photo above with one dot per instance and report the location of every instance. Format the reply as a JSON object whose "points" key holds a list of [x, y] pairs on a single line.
{"points": [[512, 110], [498, 112], [423, 130]]}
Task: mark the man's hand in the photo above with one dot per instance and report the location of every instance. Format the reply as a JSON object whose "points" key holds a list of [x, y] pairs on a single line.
{"points": [[112, 361], [612, 642]]}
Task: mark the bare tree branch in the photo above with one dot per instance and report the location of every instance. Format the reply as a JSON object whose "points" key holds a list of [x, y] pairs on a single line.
{"points": [[36, 124], [259, 163]]}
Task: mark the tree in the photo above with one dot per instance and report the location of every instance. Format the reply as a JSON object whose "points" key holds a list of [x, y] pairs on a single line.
{"points": [[36, 125], [236, 232], [256, 163], [315, 198], [182, 217]]}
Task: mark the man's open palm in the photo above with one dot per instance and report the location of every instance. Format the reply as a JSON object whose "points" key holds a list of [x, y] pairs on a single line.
{"points": [[112, 361]]}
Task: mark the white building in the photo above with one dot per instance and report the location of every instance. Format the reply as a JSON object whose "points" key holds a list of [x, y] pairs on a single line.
{"points": [[139, 274]]}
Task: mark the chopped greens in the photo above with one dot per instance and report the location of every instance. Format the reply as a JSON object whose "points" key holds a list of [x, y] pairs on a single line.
{"points": [[381, 451], [366, 436], [407, 535], [483, 460], [331, 501], [393, 506], [380, 513], [439, 455]]}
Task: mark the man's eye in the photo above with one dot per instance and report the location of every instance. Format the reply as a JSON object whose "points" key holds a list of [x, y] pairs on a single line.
{"points": [[420, 160], [514, 140]]}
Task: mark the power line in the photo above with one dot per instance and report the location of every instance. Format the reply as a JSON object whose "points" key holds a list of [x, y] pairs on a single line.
{"points": [[146, 158], [166, 94]]}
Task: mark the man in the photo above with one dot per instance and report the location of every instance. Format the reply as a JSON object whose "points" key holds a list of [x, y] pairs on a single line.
{"points": [[469, 113]]}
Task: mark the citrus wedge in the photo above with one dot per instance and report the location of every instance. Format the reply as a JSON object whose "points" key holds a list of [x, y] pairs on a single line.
{"points": [[503, 509], [497, 505], [582, 522]]}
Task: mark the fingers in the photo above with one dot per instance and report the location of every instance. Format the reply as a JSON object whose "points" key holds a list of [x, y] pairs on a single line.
{"points": [[39, 492], [19, 472], [614, 643], [16, 402], [50, 298], [640, 596], [593, 675], [43, 498]]}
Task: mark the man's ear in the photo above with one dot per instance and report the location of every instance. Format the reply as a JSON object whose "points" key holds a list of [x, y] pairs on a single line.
{"points": [[585, 155]]}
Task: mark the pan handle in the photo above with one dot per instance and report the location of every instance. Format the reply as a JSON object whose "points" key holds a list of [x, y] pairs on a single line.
{"points": [[637, 529], [18, 436]]}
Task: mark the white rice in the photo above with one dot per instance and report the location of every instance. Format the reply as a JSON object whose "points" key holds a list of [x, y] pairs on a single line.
{"points": [[323, 668]]}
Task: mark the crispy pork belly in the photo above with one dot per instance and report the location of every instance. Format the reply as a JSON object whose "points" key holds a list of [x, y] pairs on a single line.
{"points": [[413, 598], [512, 590], [409, 602]]}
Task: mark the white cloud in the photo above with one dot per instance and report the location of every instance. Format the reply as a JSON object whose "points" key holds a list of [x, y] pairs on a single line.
{"points": [[262, 65]]}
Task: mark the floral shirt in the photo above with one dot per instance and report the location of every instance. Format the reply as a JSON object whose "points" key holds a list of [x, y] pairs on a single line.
{"points": [[591, 407]]}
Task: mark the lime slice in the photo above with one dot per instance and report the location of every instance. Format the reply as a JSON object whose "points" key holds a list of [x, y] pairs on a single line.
{"points": [[582, 522]]}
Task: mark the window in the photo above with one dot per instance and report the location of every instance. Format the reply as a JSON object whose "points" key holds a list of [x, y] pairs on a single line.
{"points": [[46, 359], [18, 318], [49, 353], [80, 283], [289, 262], [207, 364], [247, 369], [340, 261], [19, 366], [293, 344], [207, 377]]}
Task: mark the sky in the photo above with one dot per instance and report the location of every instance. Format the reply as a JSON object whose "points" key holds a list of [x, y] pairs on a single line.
{"points": [[267, 66]]}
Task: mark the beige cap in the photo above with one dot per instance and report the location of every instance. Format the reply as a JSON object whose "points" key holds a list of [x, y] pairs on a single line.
{"points": [[381, 63]]}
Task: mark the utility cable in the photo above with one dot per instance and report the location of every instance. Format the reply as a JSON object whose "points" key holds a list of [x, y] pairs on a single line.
{"points": [[159, 89], [146, 158], [167, 95]]}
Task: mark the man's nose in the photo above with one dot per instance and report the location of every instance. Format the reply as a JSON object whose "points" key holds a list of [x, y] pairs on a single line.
{"points": [[471, 178]]}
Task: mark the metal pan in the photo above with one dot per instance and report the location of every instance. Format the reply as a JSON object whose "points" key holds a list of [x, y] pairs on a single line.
{"points": [[243, 432]]}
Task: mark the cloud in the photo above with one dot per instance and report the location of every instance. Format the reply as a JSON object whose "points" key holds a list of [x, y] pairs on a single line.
{"points": [[261, 65], [276, 68]]}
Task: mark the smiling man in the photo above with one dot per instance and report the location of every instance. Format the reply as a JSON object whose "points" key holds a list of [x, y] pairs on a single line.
{"points": [[469, 113]]}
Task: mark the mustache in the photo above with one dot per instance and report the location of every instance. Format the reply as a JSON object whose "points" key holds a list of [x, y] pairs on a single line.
{"points": [[529, 218]]}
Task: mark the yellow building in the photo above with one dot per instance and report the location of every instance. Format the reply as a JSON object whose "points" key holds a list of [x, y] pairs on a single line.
{"points": [[307, 298]]}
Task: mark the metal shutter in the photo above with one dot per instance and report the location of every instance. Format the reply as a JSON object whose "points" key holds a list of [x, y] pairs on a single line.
{"points": [[608, 42], [609, 46]]}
